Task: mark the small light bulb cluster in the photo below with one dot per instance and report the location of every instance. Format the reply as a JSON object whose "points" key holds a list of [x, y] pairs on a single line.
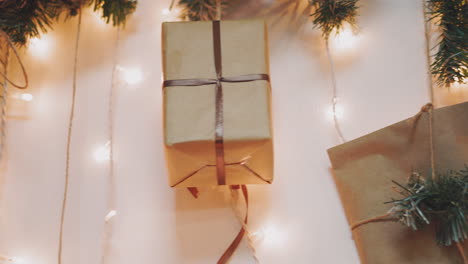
{"points": [[335, 110], [27, 97], [40, 47], [17, 261], [130, 75], [110, 215], [102, 153], [460, 85], [345, 42], [171, 14], [11, 260], [270, 236]]}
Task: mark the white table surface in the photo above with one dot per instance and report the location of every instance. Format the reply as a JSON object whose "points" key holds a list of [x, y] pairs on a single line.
{"points": [[297, 220]]}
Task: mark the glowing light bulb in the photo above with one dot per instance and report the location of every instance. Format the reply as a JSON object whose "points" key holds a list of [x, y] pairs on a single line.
{"points": [[271, 236], [17, 261], [345, 41], [166, 11], [170, 15], [27, 97], [40, 47], [131, 75], [110, 215], [103, 153], [99, 20], [459, 85], [338, 113]]}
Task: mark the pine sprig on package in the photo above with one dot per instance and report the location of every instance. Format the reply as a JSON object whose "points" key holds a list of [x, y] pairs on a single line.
{"points": [[332, 14], [451, 59], [442, 201], [25, 19]]}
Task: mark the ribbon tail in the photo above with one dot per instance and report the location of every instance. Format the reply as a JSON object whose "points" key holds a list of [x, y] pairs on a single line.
{"points": [[462, 252], [235, 244], [232, 248], [194, 191]]}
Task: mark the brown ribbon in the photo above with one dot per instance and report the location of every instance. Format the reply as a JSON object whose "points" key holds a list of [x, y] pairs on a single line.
{"points": [[235, 244], [219, 126], [219, 121]]}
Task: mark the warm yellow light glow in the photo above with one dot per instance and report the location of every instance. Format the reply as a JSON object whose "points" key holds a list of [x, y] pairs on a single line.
{"points": [[170, 15], [40, 47], [131, 75], [166, 11], [110, 215], [345, 41], [5, 258], [27, 97], [339, 112], [457, 85], [102, 153], [17, 261], [99, 20], [271, 236]]}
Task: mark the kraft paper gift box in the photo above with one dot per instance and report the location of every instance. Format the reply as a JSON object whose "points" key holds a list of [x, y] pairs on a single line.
{"points": [[364, 169], [192, 112]]}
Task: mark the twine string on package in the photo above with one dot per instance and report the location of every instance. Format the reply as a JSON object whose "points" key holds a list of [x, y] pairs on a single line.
{"points": [[389, 216]]}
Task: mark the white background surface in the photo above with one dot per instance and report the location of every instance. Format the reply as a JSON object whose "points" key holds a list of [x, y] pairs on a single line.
{"points": [[298, 219]]}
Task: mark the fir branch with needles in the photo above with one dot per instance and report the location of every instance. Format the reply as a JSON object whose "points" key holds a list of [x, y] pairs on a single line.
{"points": [[331, 15], [194, 10], [442, 201], [25, 19], [451, 59], [116, 11]]}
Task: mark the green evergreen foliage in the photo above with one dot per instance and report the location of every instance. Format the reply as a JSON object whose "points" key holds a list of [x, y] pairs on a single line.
{"points": [[332, 14], [451, 60], [116, 11], [442, 201], [195, 10], [24, 19]]}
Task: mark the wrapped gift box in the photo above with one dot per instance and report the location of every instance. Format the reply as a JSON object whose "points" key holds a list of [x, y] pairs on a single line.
{"points": [[364, 169], [191, 111]]}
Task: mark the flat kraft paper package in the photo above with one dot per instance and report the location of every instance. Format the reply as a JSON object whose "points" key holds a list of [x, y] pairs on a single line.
{"points": [[364, 169]]}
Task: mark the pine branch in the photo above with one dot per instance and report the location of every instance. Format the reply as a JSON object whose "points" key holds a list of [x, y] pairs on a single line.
{"points": [[25, 19], [442, 201], [451, 60], [116, 11], [194, 10], [332, 14]]}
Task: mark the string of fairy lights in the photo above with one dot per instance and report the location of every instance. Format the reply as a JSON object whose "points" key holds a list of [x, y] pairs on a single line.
{"points": [[41, 48], [342, 43]]}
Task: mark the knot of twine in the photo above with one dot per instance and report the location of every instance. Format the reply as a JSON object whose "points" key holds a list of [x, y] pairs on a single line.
{"points": [[427, 107]]}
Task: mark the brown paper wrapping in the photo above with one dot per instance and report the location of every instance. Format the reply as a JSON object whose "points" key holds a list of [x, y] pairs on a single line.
{"points": [[364, 168], [189, 111]]}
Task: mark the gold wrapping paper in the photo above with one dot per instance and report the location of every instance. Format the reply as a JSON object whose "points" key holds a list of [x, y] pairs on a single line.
{"points": [[364, 168], [189, 111]]}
